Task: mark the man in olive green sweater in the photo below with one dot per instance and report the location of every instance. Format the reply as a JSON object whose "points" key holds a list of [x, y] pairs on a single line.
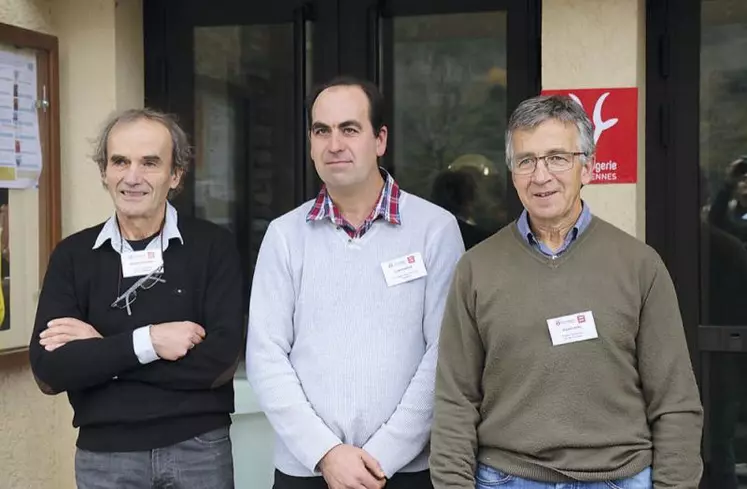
{"points": [[562, 355]]}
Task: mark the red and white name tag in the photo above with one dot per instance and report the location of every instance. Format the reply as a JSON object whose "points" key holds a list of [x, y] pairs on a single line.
{"points": [[572, 328], [138, 263], [404, 269]]}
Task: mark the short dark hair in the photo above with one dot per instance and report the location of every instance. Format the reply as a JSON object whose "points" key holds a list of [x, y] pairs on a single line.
{"points": [[375, 98]]}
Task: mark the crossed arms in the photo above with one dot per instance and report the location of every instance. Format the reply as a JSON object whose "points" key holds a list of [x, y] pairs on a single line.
{"points": [[68, 354]]}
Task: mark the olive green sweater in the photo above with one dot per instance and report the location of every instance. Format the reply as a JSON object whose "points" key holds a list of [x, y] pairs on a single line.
{"points": [[594, 410]]}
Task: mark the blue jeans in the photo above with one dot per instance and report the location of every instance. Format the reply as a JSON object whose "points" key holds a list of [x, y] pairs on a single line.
{"points": [[488, 477], [202, 462]]}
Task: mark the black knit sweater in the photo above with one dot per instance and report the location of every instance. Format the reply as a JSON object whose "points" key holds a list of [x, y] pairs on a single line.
{"points": [[119, 404]]}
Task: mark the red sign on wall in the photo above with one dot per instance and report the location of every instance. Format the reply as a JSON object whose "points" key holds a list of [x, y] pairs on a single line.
{"points": [[614, 113]]}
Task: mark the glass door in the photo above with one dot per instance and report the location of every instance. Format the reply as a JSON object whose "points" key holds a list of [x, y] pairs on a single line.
{"points": [[723, 236], [697, 205]]}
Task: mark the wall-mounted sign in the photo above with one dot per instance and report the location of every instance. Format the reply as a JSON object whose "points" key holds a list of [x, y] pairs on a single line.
{"points": [[614, 113]]}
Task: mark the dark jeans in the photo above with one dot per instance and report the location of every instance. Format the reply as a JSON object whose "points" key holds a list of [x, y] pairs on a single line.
{"points": [[202, 462], [402, 480]]}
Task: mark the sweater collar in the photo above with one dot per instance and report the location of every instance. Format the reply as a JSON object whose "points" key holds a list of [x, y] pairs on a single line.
{"points": [[579, 227]]}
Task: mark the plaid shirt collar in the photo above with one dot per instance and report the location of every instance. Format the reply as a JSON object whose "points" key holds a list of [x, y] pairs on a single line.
{"points": [[386, 208]]}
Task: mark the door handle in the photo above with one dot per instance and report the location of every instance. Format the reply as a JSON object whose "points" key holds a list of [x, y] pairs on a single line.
{"points": [[722, 338]]}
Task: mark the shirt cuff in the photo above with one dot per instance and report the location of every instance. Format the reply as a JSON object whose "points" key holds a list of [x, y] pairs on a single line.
{"points": [[143, 345]]}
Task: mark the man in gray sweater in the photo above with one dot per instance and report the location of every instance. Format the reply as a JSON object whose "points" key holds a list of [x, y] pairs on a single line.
{"points": [[346, 306], [563, 358]]}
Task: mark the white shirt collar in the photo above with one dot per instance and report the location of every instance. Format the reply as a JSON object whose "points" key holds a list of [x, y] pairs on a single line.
{"points": [[110, 232]]}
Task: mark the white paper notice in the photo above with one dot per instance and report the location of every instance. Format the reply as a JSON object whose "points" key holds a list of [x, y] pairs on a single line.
{"points": [[20, 142]]}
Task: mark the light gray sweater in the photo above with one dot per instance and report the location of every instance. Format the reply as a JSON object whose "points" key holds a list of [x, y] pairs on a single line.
{"points": [[337, 356]]}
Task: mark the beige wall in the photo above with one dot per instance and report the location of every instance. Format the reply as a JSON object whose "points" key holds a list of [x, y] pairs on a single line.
{"points": [[34, 428], [101, 70], [600, 44], [88, 94]]}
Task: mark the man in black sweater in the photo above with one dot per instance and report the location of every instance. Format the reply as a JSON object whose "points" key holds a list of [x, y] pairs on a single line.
{"points": [[140, 321]]}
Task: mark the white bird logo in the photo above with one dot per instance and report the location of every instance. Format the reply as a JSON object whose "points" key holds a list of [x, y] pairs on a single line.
{"points": [[599, 125]]}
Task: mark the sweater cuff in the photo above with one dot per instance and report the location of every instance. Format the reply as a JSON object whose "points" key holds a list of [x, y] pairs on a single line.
{"points": [[317, 450], [143, 345], [386, 453]]}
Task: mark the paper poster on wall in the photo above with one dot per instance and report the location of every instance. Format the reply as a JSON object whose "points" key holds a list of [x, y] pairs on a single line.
{"points": [[20, 143], [614, 113]]}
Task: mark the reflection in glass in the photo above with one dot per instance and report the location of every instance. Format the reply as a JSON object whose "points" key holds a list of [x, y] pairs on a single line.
{"points": [[245, 173], [723, 164], [449, 95]]}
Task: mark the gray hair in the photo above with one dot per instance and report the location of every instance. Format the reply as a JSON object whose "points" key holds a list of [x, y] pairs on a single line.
{"points": [[534, 111], [181, 153]]}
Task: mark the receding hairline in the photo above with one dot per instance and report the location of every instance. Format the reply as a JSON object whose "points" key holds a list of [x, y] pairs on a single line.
{"points": [[367, 115], [138, 118], [123, 123]]}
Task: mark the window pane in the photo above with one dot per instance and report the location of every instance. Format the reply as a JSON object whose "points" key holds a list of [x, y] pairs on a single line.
{"points": [[723, 144], [449, 95], [245, 168]]}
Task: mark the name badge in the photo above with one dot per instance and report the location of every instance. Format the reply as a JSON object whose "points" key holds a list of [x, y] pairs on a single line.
{"points": [[137, 263], [401, 270], [572, 328]]}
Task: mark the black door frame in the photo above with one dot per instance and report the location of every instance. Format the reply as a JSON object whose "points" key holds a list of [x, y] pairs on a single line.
{"points": [[672, 150]]}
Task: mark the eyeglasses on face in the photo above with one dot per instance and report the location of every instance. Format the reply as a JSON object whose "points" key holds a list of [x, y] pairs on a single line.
{"points": [[554, 162]]}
